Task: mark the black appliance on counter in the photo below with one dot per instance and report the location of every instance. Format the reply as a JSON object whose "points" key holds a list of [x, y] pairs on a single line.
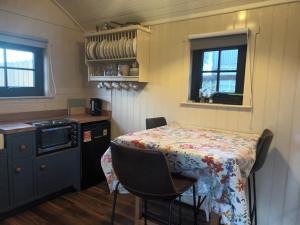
{"points": [[55, 135], [95, 140], [96, 106]]}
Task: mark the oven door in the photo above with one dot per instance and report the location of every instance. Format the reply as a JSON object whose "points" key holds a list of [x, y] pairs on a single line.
{"points": [[53, 139]]}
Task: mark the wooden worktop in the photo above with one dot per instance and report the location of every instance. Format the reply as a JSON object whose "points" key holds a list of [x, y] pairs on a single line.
{"points": [[17, 122]]}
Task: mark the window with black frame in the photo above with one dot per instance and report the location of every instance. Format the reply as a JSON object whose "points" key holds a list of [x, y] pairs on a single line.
{"points": [[21, 70], [218, 69]]}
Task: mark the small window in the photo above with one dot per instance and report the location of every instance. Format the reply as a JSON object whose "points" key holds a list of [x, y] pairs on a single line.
{"points": [[218, 73], [21, 70]]}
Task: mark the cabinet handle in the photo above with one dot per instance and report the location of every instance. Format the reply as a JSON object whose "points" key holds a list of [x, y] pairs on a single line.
{"points": [[42, 167], [23, 147], [18, 169]]}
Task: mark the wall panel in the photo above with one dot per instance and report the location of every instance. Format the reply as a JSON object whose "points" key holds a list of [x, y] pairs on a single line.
{"points": [[42, 19], [276, 85]]}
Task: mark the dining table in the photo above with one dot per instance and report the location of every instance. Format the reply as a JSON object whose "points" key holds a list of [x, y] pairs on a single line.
{"points": [[220, 160]]}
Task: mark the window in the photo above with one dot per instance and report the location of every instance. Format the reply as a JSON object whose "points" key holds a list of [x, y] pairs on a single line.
{"points": [[218, 69], [21, 70]]}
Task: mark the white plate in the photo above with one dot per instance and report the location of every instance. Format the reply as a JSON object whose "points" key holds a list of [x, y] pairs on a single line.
{"points": [[131, 47], [92, 49], [115, 53], [104, 49], [101, 49], [134, 46], [121, 47], [87, 50], [108, 49], [124, 48], [110, 54], [117, 49], [98, 50], [128, 48]]}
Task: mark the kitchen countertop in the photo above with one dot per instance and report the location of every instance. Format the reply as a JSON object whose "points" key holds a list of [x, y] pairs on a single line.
{"points": [[22, 126]]}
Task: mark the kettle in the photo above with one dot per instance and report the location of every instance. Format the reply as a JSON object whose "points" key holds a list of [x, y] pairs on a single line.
{"points": [[96, 106]]}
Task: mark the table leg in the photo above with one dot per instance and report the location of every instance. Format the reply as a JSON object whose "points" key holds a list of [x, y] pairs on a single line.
{"points": [[215, 219], [137, 211]]}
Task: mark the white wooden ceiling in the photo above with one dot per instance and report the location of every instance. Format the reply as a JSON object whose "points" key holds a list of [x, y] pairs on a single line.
{"points": [[89, 13]]}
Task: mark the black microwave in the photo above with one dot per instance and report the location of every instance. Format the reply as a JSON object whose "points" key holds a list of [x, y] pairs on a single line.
{"points": [[56, 137]]}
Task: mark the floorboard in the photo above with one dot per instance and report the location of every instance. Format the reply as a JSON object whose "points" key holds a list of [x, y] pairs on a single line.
{"points": [[89, 207]]}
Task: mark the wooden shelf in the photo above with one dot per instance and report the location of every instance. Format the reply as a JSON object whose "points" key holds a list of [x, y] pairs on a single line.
{"points": [[142, 44], [119, 30], [114, 78], [110, 60], [215, 105]]}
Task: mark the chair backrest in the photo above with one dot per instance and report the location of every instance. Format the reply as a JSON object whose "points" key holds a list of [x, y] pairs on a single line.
{"points": [[262, 149], [155, 122], [144, 173]]}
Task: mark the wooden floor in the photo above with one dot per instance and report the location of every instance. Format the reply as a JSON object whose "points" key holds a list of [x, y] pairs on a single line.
{"points": [[89, 207]]}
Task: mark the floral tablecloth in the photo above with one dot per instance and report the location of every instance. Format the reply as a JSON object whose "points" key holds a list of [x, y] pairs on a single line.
{"points": [[220, 160]]}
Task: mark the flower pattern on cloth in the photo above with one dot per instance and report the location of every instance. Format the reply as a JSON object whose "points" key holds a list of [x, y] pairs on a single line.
{"points": [[220, 160]]}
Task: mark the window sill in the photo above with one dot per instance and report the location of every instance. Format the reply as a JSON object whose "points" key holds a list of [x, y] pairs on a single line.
{"points": [[215, 105], [26, 97]]}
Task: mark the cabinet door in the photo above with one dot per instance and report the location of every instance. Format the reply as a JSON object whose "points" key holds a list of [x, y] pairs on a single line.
{"points": [[4, 194], [23, 181], [56, 171], [21, 145]]}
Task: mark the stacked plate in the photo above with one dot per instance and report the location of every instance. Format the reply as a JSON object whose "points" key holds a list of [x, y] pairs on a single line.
{"points": [[111, 49]]}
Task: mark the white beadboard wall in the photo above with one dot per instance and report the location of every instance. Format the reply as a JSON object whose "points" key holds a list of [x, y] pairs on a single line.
{"points": [[45, 20], [276, 97]]}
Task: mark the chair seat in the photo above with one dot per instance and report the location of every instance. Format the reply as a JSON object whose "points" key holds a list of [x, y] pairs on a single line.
{"points": [[182, 183]]}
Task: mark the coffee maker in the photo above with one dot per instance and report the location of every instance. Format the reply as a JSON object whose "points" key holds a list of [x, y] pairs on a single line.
{"points": [[96, 106]]}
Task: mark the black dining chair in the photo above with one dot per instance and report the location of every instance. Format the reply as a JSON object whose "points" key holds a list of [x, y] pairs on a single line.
{"points": [[262, 149], [155, 122], [146, 174], [161, 121]]}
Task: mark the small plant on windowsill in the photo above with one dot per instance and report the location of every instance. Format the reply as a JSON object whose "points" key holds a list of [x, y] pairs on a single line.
{"points": [[205, 96]]}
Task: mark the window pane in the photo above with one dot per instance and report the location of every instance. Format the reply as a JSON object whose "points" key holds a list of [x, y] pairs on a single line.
{"points": [[210, 60], [20, 78], [2, 80], [209, 83], [227, 82], [1, 57], [19, 59], [229, 59]]}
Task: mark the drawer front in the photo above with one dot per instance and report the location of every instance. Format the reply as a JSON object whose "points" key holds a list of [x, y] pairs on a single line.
{"points": [[23, 181], [22, 145], [56, 171], [4, 183]]}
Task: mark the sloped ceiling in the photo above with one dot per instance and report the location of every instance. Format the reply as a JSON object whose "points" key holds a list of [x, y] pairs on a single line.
{"points": [[90, 13]]}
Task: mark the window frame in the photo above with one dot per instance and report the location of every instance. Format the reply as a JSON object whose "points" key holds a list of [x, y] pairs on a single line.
{"points": [[197, 70], [38, 89]]}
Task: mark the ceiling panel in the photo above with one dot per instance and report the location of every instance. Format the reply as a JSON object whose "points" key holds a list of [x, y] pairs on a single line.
{"points": [[89, 13]]}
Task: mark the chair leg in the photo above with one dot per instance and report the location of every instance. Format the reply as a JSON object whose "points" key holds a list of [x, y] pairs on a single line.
{"points": [[200, 202], [145, 211], [180, 211], [170, 212], [114, 203], [254, 200], [195, 204]]}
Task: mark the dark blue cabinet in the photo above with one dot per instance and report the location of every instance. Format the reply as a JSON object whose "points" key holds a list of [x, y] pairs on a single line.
{"points": [[56, 171], [26, 177], [22, 181], [20, 151], [4, 182]]}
